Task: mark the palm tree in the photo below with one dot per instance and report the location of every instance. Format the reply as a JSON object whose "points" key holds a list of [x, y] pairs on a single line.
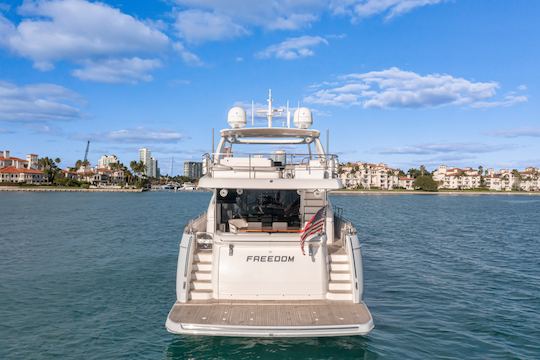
{"points": [[138, 167], [49, 167], [128, 175]]}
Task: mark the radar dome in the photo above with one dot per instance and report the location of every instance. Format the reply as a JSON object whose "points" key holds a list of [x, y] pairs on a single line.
{"points": [[236, 117], [303, 118]]}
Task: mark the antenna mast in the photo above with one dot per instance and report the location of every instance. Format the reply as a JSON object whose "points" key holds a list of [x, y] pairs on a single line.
{"points": [[269, 114], [86, 152], [252, 113], [288, 115]]}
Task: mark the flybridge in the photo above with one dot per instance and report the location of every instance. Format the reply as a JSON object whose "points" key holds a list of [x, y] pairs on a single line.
{"points": [[278, 168]]}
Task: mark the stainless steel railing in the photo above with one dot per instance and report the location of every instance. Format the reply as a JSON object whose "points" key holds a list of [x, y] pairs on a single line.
{"points": [[284, 163]]}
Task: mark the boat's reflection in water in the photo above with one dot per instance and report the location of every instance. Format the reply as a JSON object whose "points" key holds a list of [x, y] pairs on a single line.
{"points": [[208, 347]]}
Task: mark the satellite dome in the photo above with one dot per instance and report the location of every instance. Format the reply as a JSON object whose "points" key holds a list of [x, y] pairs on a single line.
{"points": [[236, 117], [303, 118]]}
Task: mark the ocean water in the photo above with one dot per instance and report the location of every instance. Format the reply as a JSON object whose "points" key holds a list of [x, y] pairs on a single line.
{"points": [[92, 276]]}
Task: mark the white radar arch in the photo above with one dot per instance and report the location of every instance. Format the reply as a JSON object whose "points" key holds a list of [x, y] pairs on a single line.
{"points": [[303, 118], [236, 117]]}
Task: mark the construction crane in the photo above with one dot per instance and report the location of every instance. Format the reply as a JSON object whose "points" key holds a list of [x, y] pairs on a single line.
{"points": [[85, 161]]}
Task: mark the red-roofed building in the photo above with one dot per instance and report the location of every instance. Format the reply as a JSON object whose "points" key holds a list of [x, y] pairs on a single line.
{"points": [[21, 175], [406, 183], [456, 178], [369, 176], [14, 169]]}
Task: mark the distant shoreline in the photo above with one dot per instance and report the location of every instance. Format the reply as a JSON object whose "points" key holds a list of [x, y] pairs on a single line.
{"points": [[439, 193], [61, 189], [334, 192]]}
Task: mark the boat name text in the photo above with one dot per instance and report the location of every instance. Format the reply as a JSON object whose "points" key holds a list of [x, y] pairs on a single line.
{"points": [[270, 258]]}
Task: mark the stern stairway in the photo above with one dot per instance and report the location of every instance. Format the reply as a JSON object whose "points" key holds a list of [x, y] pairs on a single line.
{"points": [[339, 285], [201, 276]]}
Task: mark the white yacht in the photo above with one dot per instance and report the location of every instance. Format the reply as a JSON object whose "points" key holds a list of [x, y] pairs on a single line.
{"points": [[271, 257]]}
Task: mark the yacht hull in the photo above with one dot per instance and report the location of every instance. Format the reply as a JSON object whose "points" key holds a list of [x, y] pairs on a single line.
{"points": [[270, 319]]}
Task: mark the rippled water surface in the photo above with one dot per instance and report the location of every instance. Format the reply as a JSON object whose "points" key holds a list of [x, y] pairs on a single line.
{"points": [[92, 276]]}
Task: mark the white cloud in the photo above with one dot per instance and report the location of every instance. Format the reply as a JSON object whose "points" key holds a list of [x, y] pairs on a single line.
{"points": [[197, 26], [37, 102], [241, 15], [77, 30], [445, 148], [131, 70], [187, 56], [395, 88], [508, 100], [358, 9], [518, 132], [268, 14], [292, 48], [139, 135]]}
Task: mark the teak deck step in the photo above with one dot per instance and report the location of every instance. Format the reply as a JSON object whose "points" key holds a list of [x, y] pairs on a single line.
{"points": [[339, 295], [202, 266], [271, 313], [200, 294], [338, 285], [201, 275]]}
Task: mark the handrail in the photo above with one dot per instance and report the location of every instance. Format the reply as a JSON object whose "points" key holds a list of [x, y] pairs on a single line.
{"points": [[191, 226], [285, 163]]}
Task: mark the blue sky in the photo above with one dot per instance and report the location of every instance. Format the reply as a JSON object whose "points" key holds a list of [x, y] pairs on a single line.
{"points": [[405, 82]]}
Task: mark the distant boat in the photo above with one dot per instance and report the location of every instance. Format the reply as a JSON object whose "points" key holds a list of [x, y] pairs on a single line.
{"points": [[188, 186], [271, 257]]}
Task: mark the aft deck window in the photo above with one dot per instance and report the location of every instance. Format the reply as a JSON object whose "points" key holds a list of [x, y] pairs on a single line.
{"points": [[258, 210]]}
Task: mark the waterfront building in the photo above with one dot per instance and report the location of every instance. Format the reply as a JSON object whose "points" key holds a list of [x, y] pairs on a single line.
{"points": [[529, 179], [145, 156], [13, 174], [501, 180], [32, 161], [151, 164], [493, 182], [154, 168], [369, 176], [70, 174], [106, 161], [456, 178], [406, 183], [7, 160], [17, 170], [193, 169]]}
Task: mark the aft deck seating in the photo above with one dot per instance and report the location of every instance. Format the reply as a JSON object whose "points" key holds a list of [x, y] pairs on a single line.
{"points": [[278, 225], [237, 224], [247, 162], [254, 225], [240, 167], [314, 168]]}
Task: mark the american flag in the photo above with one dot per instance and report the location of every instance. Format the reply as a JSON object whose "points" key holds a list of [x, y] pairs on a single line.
{"points": [[314, 226]]}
